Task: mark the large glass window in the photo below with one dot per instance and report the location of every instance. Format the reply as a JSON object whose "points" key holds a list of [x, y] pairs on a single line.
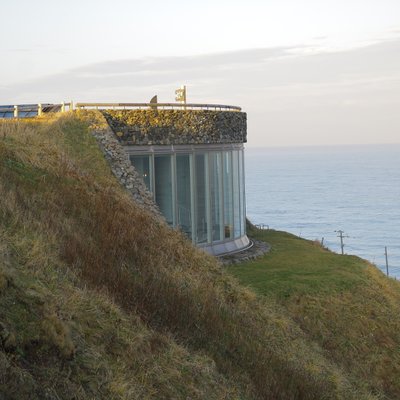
{"points": [[228, 204], [142, 166], [201, 192], [183, 188], [242, 195], [202, 196], [216, 195], [163, 186], [236, 194]]}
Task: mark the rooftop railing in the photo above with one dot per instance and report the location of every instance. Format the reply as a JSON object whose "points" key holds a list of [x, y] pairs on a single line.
{"points": [[167, 106], [32, 110]]}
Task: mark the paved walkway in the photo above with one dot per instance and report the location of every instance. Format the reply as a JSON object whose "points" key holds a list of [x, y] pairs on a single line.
{"points": [[258, 249]]}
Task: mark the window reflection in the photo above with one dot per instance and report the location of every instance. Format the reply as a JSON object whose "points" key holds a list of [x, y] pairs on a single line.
{"points": [[142, 166], [201, 198], [242, 195], [216, 195], [163, 186], [228, 204], [183, 188], [236, 194]]}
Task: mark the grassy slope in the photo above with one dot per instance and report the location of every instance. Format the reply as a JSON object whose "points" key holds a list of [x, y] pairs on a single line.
{"points": [[61, 339], [342, 303], [100, 300]]}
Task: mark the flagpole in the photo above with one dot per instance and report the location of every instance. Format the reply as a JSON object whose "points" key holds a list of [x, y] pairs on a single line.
{"points": [[180, 95]]}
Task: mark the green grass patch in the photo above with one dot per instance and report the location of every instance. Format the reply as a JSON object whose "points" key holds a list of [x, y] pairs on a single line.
{"points": [[296, 266], [343, 304]]}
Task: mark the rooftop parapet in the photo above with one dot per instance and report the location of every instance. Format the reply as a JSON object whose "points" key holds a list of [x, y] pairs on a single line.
{"points": [[155, 126]]}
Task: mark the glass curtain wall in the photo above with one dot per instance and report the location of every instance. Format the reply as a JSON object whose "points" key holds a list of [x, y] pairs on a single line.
{"points": [[202, 193]]}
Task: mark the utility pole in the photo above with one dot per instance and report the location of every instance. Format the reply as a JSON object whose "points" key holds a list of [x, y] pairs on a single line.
{"points": [[341, 236], [387, 263]]}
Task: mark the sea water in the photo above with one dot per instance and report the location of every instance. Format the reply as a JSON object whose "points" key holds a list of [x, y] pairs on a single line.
{"points": [[315, 191]]}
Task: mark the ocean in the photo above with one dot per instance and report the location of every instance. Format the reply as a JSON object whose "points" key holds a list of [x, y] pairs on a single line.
{"points": [[314, 191]]}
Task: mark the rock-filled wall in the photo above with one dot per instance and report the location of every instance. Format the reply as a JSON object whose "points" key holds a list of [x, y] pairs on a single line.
{"points": [[166, 127], [119, 162]]}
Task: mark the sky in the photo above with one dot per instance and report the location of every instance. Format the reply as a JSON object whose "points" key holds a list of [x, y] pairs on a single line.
{"points": [[311, 72]]}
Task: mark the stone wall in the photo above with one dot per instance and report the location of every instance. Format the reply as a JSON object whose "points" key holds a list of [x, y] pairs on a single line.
{"points": [[166, 127], [119, 161]]}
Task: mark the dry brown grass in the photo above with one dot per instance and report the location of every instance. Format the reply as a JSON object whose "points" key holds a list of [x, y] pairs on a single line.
{"points": [[65, 216], [359, 329]]}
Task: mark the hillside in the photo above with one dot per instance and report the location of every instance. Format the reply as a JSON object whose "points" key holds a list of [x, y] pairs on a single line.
{"points": [[344, 304], [100, 299]]}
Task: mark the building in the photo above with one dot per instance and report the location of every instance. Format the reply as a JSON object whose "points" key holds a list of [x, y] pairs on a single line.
{"points": [[189, 156], [191, 160]]}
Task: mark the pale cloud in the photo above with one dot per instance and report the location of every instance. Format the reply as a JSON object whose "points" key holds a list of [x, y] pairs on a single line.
{"points": [[293, 95], [19, 50]]}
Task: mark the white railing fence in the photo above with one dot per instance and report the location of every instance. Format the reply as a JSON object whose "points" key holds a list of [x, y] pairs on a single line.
{"points": [[170, 106]]}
